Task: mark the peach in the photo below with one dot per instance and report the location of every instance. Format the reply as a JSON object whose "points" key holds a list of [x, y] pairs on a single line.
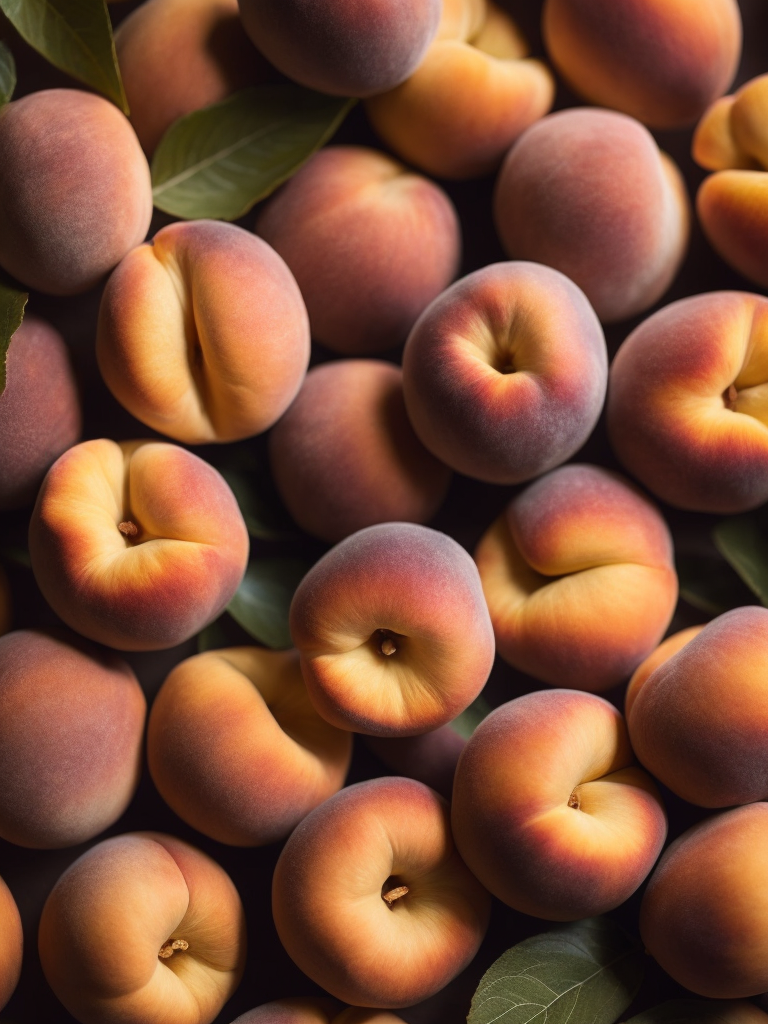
{"points": [[548, 811], [369, 242], [40, 413], [345, 456], [698, 721], [662, 61], [430, 758], [177, 56], [71, 728], [236, 748], [505, 373], [138, 545], [686, 413], [589, 193], [393, 631], [203, 333], [143, 929], [12, 944], [703, 915], [314, 1011], [371, 899], [663, 652], [348, 48], [579, 578], [76, 189], [714, 146], [470, 98]]}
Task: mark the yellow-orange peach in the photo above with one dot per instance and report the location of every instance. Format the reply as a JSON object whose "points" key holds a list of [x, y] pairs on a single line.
{"points": [[369, 243], [177, 56], [345, 455], [589, 193], [549, 812], [11, 944], [698, 721], [393, 631], [203, 333], [237, 749], [348, 48], [143, 929], [71, 728], [138, 545], [714, 146], [371, 899], [464, 131], [687, 410], [579, 578], [703, 915], [39, 410], [664, 651], [662, 61], [75, 187], [504, 374]]}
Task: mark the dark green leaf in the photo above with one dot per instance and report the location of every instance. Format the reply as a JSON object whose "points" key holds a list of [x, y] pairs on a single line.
{"points": [[686, 1011], [587, 972], [74, 35], [7, 74], [469, 719], [16, 555], [12, 303], [259, 504], [219, 161], [743, 542], [261, 604], [710, 584], [212, 638]]}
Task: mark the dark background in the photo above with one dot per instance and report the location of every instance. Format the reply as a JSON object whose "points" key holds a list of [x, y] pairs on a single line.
{"points": [[470, 508]]}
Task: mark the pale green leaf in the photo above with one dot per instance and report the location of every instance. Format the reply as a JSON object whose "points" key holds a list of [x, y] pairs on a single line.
{"points": [[219, 161], [259, 505], [263, 599], [12, 303], [74, 35], [687, 1011], [7, 74], [743, 542], [710, 584], [469, 719], [587, 972]]}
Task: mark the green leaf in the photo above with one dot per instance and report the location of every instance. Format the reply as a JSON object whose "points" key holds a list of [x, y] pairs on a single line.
{"points": [[12, 303], [587, 972], [259, 504], [469, 719], [7, 74], [74, 35], [263, 600], [219, 161], [743, 542], [687, 1011], [710, 584], [16, 555]]}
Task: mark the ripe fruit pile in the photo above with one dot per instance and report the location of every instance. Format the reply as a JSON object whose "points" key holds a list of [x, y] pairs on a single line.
{"points": [[518, 407]]}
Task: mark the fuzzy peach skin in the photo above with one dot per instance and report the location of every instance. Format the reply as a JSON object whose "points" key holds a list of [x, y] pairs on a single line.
{"points": [[714, 145], [548, 811], [345, 455], [348, 48], [687, 409], [703, 915], [505, 373], [75, 190], [663, 652], [698, 721], [71, 730], [236, 748], [173, 568], [330, 883], [579, 578], [469, 100], [177, 56], [203, 333], [393, 631], [40, 413], [314, 1011], [117, 908], [589, 193], [369, 242], [12, 944], [5, 602], [662, 61]]}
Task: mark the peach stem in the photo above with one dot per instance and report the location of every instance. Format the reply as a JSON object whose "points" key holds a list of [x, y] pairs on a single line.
{"points": [[128, 529], [170, 948], [573, 801], [394, 894], [730, 397], [387, 646]]}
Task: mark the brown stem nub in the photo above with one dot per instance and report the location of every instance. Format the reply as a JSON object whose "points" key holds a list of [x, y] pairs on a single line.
{"points": [[730, 397], [170, 948], [128, 529], [573, 801], [388, 646], [394, 894]]}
